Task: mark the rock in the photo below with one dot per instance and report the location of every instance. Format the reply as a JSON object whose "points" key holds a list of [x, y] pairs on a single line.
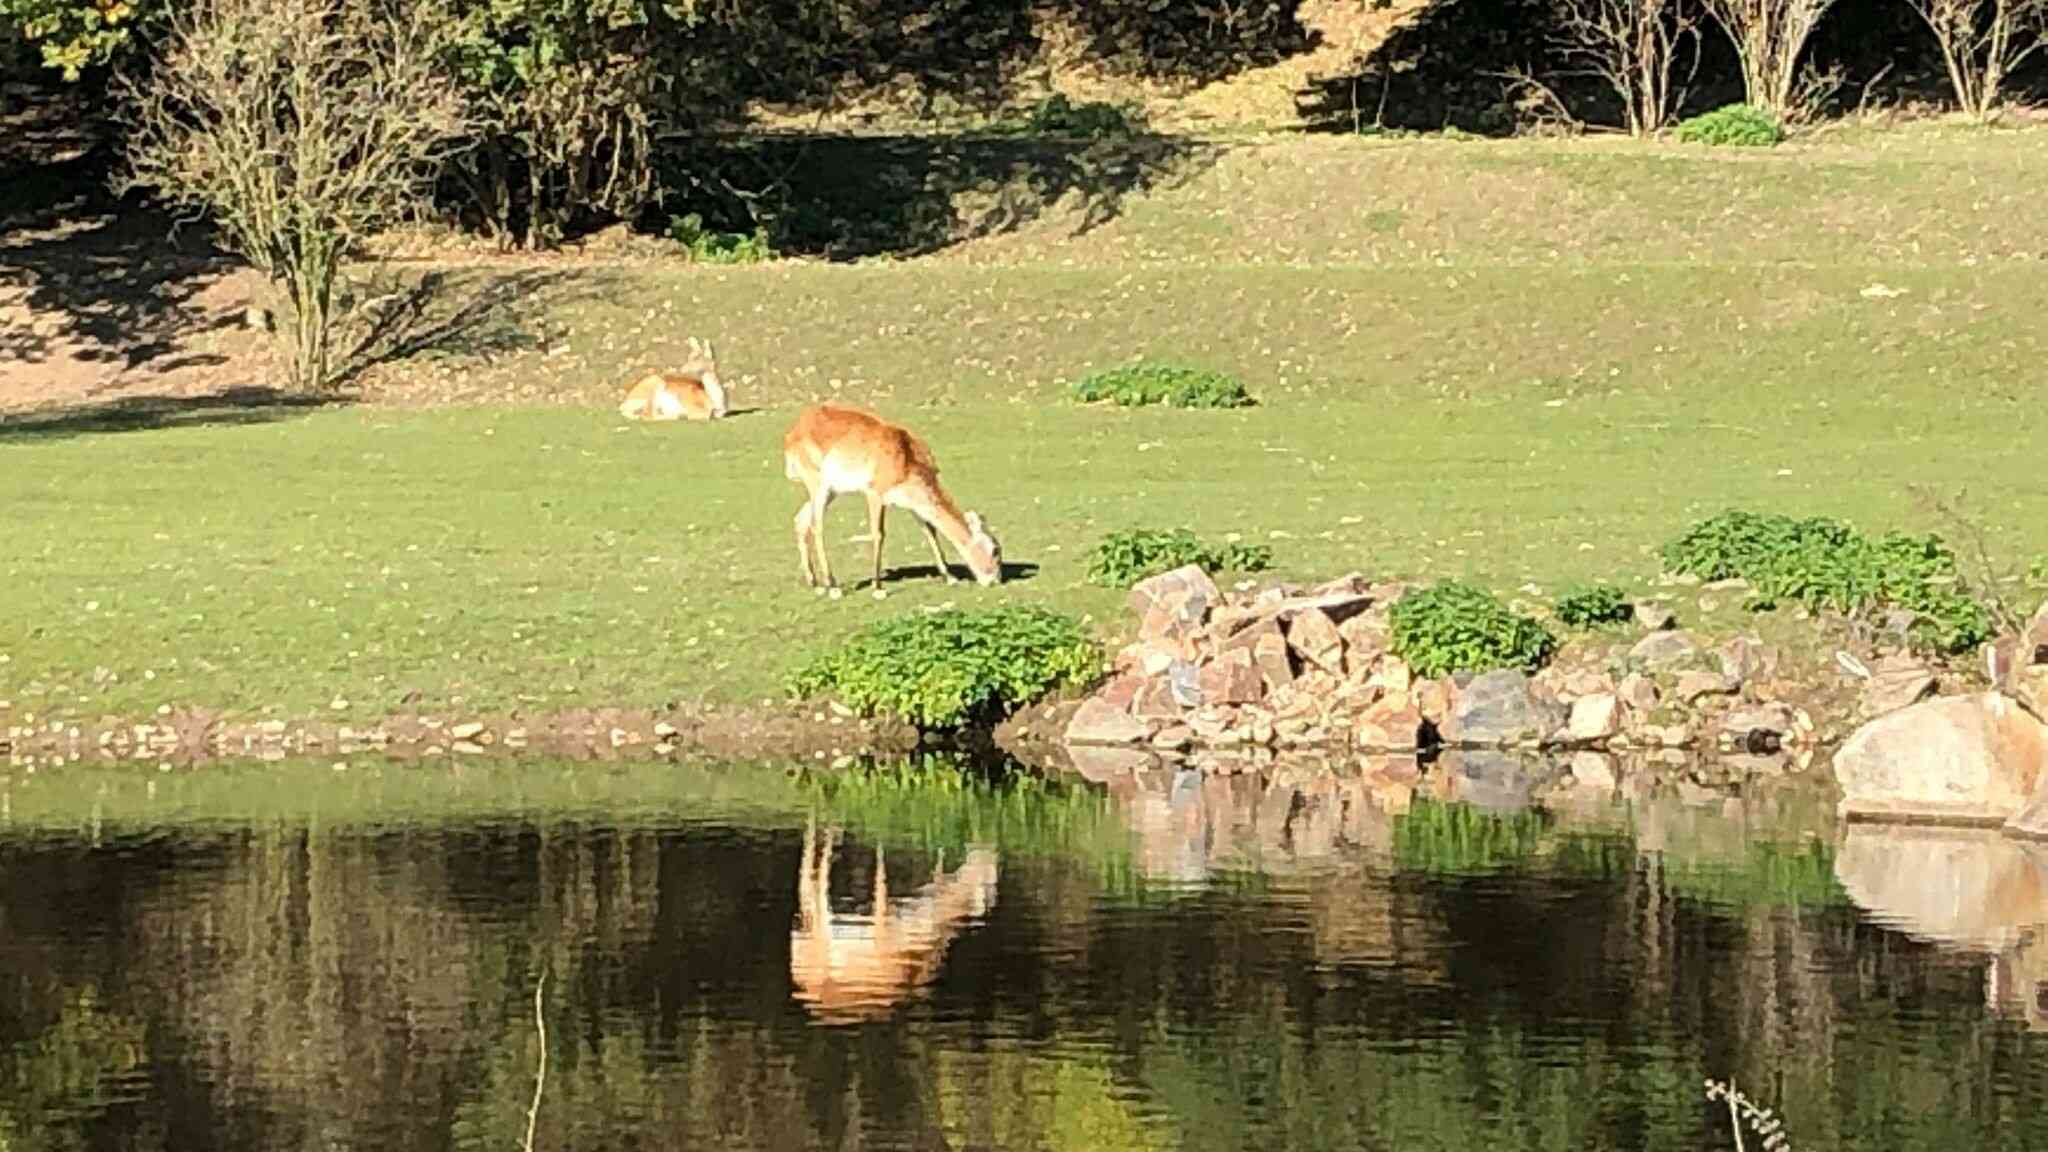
{"points": [[1498, 710], [1594, 718], [1313, 636], [1120, 693], [1389, 726], [1654, 617], [1433, 698], [1175, 737], [1268, 648], [1100, 723], [1776, 719], [1663, 649], [1969, 759], [2034, 638], [1184, 681], [468, 731], [1639, 692], [1149, 657], [1173, 605], [1232, 678], [256, 318], [1366, 638], [1746, 658], [1586, 682], [1897, 681], [1694, 686], [1393, 676], [1155, 701]]}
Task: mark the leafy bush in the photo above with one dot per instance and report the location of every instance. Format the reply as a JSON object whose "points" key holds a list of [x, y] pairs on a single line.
{"points": [[1124, 558], [1454, 627], [1593, 606], [1139, 385], [1732, 126], [946, 669], [1823, 563], [1094, 119], [708, 246]]}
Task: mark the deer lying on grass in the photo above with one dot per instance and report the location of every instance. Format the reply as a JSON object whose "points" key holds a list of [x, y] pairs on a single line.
{"points": [[832, 450], [852, 967], [692, 392]]}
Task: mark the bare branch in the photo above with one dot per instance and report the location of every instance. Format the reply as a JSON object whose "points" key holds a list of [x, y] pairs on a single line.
{"points": [[301, 127], [1770, 37]]}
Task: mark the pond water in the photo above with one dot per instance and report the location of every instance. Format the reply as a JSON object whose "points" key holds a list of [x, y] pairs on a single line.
{"points": [[271, 957]]}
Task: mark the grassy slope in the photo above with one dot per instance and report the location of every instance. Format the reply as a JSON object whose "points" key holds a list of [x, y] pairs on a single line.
{"points": [[1517, 362]]}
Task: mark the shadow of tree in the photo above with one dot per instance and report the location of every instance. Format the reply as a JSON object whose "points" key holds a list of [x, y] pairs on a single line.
{"points": [[456, 313], [844, 197], [1444, 68], [108, 278], [149, 413]]}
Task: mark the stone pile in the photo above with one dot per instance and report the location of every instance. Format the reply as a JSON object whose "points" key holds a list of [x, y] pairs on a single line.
{"points": [[1311, 667]]}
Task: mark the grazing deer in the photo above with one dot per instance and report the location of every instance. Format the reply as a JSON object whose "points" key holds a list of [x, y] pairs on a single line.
{"points": [[852, 967], [832, 450], [692, 392]]}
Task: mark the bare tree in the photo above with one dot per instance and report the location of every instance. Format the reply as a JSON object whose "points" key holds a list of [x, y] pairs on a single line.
{"points": [[1770, 36], [1983, 42], [1634, 47], [300, 127]]}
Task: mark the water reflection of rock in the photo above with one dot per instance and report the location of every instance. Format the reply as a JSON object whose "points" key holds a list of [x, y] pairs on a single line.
{"points": [[1974, 890], [854, 966]]}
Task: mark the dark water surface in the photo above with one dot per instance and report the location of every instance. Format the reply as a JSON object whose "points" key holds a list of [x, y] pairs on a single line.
{"points": [[288, 957]]}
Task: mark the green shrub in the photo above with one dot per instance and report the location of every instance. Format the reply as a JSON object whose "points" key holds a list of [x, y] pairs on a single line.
{"points": [[708, 246], [946, 669], [1592, 606], [1454, 627], [1124, 558], [1825, 564], [1733, 126], [1139, 385], [1094, 119]]}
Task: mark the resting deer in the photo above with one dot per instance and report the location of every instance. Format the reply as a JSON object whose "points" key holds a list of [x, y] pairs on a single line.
{"points": [[692, 392], [847, 968], [832, 450]]}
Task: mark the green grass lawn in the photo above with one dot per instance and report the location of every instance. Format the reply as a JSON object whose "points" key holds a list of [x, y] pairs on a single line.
{"points": [[1478, 413]]}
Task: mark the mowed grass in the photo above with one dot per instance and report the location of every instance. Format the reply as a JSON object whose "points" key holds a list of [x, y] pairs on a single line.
{"points": [[1508, 421]]}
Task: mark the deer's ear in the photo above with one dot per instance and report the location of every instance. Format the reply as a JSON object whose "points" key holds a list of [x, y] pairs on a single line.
{"points": [[974, 522], [709, 354], [696, 347]]}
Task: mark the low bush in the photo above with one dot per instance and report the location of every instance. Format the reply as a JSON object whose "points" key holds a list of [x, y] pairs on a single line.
{"points": [[1593, 606], [1141, 385], [1732, 126], [1454, 627], [1056, 115], [947, 669], [1124, 558], [1825, 564], [709, 246]]}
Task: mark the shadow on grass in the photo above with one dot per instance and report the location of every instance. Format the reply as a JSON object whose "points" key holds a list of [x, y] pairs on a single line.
{"points": [[1013, 572], [442, 313], [150, 413], [845, 197]]}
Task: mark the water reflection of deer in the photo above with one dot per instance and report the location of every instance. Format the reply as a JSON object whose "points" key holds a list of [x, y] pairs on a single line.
{"points": [[849, 967]]}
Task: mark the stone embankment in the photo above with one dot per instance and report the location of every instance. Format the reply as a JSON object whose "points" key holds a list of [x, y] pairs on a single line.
{"points": [[1290, 667]]}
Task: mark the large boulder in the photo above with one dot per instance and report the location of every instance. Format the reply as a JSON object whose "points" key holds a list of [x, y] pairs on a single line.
{"points": [[1501, 709], [1099, 722], [1963, 759]]}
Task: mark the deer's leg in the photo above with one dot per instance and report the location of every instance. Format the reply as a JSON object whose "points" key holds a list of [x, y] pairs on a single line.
{"points": [[876, 510], [820, 500], [938, 550], [803, 542]]}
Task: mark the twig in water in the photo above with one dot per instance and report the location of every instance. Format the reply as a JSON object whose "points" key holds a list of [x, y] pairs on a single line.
{"points": [[540, 1071], [1761, 1120]]}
